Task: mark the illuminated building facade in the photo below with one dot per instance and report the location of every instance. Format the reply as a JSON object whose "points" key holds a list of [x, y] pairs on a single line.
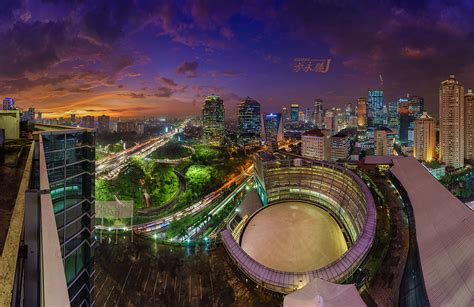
{"points": [[393, 117], [70, 164], [273, 129], [375, 113], [469, 131], [213, 120], [316, 144], [330, 121], [410, 108], [249, 120], [451, 123], [424, 138], [318, 113], [340, 145], [294, 111], [51, 245], [329, 186], [384, 139], [362, 114]]}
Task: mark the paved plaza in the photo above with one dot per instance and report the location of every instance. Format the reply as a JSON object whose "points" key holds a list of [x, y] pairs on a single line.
{"points": [[293, 237]]}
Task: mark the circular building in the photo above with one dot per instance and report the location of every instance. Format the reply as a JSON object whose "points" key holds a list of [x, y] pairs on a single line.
{"points": [[293, 237], [318, 221]]}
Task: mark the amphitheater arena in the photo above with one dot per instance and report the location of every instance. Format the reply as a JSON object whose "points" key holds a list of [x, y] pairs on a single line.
{"points": [[317, 220]]}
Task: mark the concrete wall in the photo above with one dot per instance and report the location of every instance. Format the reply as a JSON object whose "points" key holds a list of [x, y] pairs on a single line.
{"points": [[10, 121]]}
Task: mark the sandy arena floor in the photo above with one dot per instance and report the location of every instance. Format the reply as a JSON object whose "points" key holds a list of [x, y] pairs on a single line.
{"points": [[293, 237]]}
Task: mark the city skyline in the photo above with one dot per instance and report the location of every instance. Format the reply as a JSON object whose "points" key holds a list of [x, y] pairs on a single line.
{"points": [[135, 58]]}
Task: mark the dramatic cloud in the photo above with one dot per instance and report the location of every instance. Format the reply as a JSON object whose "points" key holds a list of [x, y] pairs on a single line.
{"points": [[188, 69], [106, 53]]}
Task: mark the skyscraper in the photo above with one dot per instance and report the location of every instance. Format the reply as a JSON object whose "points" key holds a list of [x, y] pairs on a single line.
{"points": [[424, 145], [394, 117], [249, 120], [294, 110], [73, 118], [273, 129], [213, 120], [362, 114], [330, 121], [318, 113], [104, 124], [88, 121], [409, 108], [309, 115], [469, 130], [451, 123], [284, 114], [374, 109]]}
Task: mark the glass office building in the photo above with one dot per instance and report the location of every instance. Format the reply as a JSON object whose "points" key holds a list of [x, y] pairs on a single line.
{"points": [[294, 110], [70, 164], [213, 120], [273, 128], [375, 113], [393, 117], [410, 108], [249, 120]]}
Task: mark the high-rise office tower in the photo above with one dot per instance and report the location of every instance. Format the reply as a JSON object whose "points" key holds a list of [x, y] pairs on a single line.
{"points": [[469, 130], [49, 256], [284, 114], [249, 120], [409, 109], [330, 121], [39, 118], [451, 123], [294, 110], [301, 116], [88, 121], [374, 109], [272, 129], [424, 144], [73, 118], [309, 115], [362, 114], [213, 120], [318, 113], [104, 124], [393, 117]]}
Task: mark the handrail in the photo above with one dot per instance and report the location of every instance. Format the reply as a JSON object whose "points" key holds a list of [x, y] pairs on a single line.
{"points": [[9, 256], [53, 285]]}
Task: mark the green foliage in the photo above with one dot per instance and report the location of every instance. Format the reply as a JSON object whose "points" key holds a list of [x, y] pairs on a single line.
{"points": [[205, 154], [201, 179], [171, 150], [142, 175], [102, 190]]}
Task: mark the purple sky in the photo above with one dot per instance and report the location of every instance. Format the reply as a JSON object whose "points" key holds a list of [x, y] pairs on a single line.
{"points": [[139, 58]]}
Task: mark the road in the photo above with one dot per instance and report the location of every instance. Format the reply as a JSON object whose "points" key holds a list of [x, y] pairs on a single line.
{"points": [[161, 224], [111, 166]]}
